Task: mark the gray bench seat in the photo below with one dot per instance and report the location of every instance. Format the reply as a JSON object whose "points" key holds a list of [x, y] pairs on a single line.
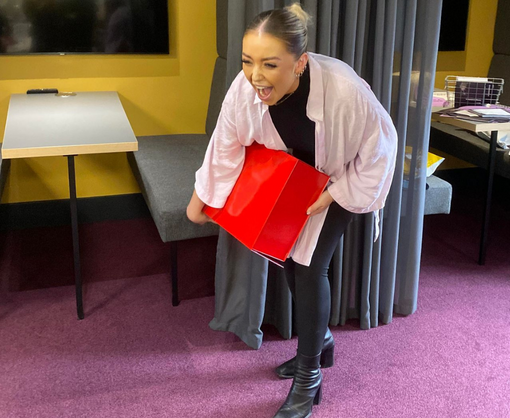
{"points": [[438, 196], [165, 167]]}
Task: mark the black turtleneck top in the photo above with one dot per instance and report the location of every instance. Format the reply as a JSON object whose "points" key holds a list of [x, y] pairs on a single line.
{"points": [[295, 129]]}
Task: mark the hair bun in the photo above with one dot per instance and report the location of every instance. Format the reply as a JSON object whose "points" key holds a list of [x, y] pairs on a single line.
{"points": [[288, 24], [298, 11]]}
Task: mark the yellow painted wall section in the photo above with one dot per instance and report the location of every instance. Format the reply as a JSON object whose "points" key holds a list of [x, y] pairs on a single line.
{"points": [[475, 60], [163, 94]]}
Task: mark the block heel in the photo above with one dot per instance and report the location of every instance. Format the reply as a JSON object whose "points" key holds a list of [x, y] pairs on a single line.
{"points": [[318, 396], [328, 357]]}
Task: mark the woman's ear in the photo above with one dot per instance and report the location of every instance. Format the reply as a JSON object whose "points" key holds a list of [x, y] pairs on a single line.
{"points": [[301, 63]]}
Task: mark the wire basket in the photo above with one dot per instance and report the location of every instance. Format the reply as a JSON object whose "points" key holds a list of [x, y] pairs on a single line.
{"points": [[473, 91]]}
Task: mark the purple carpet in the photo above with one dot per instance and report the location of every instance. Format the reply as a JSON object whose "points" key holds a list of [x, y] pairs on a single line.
{"points": [[136, 356]]}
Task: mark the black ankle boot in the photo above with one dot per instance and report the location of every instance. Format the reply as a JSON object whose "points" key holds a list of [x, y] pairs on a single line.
{"points": [[286, 370], [306, 389]]}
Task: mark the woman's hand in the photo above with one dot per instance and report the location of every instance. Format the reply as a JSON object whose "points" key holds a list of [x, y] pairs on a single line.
{"points": [[198, 218], [194, 210], [321, 204]]}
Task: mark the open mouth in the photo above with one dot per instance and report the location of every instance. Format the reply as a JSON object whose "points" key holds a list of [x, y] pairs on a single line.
{"points": [[264, 92]]}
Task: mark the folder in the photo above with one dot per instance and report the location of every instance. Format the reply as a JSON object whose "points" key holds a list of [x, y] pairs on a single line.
{"points": [[266, 209]]}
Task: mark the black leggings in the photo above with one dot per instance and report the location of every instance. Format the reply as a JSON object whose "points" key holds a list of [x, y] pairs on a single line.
{"points": [[310, 285]]}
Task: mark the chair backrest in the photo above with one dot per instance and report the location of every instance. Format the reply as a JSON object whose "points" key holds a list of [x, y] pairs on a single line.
{"points": [[218, 85], [500, 64]]}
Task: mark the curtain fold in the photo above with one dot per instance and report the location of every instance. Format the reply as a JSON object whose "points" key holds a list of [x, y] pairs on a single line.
{"points": [[392, 44]]}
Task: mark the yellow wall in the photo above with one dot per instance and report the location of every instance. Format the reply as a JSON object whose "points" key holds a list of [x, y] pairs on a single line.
{"points": [[160, 94], [475, 60]]}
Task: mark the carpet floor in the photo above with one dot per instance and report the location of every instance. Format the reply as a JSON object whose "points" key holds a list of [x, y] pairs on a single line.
{"points": [[136, 356]]}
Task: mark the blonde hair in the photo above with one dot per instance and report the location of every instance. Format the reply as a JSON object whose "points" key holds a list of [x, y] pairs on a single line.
{"points": [[304, 17], [289, 24]]}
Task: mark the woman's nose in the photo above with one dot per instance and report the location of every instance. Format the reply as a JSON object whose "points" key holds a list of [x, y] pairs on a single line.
{"points": [[257, 73]]}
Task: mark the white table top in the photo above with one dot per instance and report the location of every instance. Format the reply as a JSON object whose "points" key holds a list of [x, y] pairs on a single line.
{"points": [[42, 125], [471, 126]]}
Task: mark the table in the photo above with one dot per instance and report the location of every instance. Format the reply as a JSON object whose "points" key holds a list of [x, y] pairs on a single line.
{"points": [[67, 124], [475, 126]]}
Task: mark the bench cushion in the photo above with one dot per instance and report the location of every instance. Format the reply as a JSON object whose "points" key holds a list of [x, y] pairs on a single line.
{"points": [[165, 167], [468, 147], [438, 196]]}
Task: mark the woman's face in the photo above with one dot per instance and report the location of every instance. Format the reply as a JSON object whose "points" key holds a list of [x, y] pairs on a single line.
{"points": [[269, 67]]}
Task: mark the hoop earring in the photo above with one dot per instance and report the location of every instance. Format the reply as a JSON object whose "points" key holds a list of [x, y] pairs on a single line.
{"points": [[298, 75]]}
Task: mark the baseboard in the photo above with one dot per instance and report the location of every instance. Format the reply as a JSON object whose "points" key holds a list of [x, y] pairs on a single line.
{"points": [[50, 213]]}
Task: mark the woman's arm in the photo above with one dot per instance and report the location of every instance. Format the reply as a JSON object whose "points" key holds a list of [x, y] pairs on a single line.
{"points": [[194, 210], [224, 157], [368, 134]]}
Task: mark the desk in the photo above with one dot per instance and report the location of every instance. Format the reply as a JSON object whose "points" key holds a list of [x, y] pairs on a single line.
{"points": [[481, 127], [43, 125]]}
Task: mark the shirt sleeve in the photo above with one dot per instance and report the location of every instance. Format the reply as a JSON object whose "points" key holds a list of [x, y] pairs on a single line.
{"points": [[223, 159], [366, 181]]}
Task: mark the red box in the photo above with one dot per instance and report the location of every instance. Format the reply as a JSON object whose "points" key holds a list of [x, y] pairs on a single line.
{"points": [[266, 209]]}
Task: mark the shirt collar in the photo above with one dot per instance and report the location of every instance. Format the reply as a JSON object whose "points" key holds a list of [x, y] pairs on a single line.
{"points": [[315, 105]]}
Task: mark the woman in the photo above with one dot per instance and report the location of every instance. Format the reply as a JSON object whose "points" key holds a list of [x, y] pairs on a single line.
{"points": [[287, 98]]}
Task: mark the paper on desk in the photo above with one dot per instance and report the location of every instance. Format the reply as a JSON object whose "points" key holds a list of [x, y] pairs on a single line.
{"points": [[466, 113], [493, 112]]}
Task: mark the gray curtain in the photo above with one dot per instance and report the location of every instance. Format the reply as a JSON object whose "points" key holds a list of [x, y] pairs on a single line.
{"points": [[392, 44]]}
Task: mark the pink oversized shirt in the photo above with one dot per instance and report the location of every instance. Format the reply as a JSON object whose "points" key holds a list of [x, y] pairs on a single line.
{"points": [[355, 143]]}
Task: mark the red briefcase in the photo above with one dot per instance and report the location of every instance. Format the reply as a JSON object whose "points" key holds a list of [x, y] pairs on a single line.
{"points": [[266, 209]]}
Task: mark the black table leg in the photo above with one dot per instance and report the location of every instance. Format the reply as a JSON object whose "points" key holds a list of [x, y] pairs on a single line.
{"points": [[488, 198], [76, 238]]}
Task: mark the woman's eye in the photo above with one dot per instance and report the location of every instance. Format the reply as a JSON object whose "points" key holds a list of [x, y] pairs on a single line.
{"points": [[270, 65], [245, 62]]}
